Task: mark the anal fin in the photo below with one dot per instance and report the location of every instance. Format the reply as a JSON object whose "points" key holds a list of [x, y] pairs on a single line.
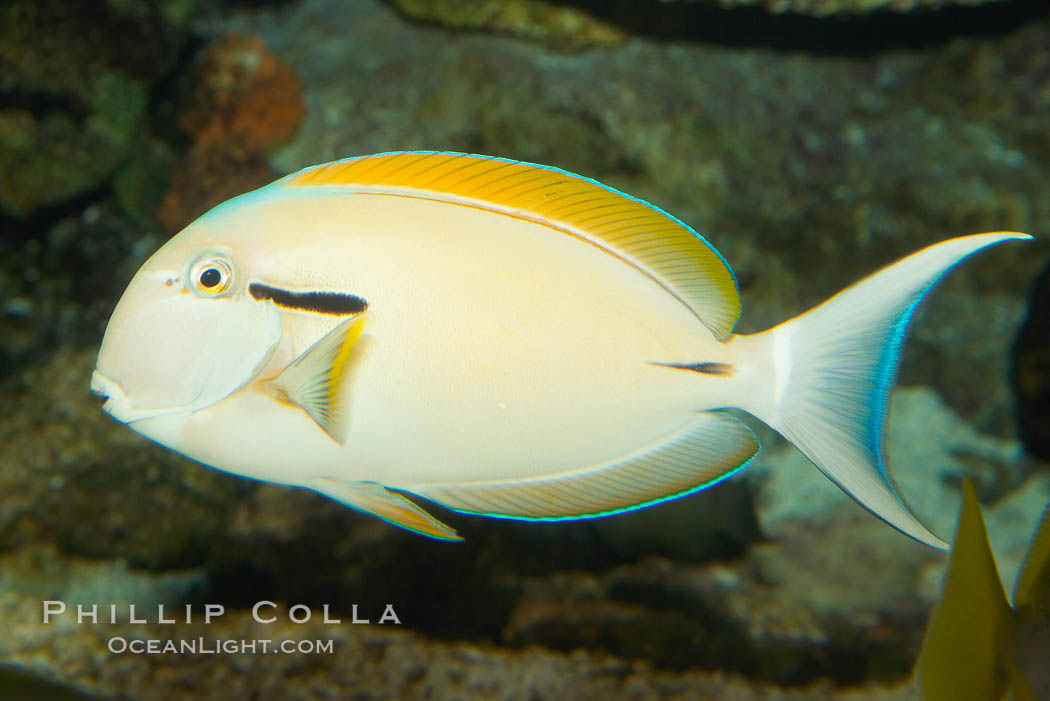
{"points": [[710, 447], [376, 500], [316, 380]]}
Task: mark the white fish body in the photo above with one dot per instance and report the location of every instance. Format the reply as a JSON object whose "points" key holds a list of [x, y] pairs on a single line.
{"points": [[497, 337]]}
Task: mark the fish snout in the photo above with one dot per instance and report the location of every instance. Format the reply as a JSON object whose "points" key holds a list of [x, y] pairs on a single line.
{"points": [[109, 392], [115, 401]]}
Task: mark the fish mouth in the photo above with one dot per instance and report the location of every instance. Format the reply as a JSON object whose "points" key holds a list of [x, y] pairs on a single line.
{"points": [[115, 401], [105, 389]]}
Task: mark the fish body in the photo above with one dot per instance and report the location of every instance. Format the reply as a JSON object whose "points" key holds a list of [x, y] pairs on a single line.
{"points": [[462, 366], [499, 337]]}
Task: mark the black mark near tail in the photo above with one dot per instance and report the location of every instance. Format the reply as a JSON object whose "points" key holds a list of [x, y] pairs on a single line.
{"points": [[704, 368]]}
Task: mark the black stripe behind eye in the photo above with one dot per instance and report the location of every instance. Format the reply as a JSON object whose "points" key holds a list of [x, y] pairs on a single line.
{"points": [[319, 302]]}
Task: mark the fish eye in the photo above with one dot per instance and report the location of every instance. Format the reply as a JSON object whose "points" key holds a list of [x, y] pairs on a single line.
{"points": [[211, 276]]}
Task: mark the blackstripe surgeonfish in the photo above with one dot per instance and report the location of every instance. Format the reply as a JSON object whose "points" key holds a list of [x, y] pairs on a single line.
{"points": [[498, 337], [977, 646]]}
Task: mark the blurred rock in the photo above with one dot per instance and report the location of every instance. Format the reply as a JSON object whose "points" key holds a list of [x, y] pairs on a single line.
{"points": [[350, 556], [140, 185], [238, 90], [72, 477], [365, 662], [238, 102], [49, 159], [788, 612], [18, 685], [59, 281], [61, 48], [208, 175], [78, 74], [42, 572]]}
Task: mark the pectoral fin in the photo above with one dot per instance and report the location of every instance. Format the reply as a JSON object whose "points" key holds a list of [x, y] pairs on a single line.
{"points": [[316, 380], [376, 500]]}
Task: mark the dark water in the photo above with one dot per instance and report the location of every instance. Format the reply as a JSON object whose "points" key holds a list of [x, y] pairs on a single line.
{"points": [[809, 150]]}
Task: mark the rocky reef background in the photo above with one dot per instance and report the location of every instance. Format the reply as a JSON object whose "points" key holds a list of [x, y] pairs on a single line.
{"points": [[810, 142]]}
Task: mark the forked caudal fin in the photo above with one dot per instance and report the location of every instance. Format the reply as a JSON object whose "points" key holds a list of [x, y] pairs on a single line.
{"points": [[831, 371]]}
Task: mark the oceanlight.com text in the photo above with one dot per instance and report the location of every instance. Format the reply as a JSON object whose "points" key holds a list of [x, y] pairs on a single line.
{"points": [[211, 646]]}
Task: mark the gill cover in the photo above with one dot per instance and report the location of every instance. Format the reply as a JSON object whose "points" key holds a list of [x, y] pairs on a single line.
{"points": [[171, 349]]}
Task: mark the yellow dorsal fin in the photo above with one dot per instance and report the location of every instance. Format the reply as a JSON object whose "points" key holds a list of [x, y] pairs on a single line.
{"points": [[637, 232]]}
